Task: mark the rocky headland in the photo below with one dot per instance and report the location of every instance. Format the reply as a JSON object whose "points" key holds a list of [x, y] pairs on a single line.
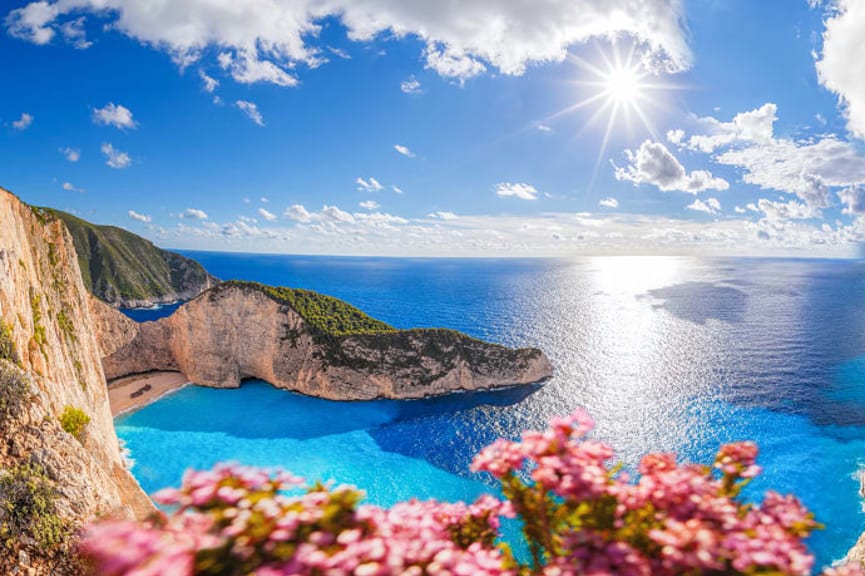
{"points": [[310, 343]]}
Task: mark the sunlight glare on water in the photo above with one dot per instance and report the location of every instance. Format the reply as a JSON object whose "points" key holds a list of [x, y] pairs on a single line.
{"points": [[668, 354]]}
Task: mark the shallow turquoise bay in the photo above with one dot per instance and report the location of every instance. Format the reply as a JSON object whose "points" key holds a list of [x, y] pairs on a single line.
{"points": [[668, 354]]}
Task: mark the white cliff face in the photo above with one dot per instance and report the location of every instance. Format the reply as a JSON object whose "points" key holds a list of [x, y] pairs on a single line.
{"points": [[45, 307], [234, 332]]}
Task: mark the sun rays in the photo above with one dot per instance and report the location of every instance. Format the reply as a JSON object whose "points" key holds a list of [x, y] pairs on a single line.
{"points": [[619, 91]]}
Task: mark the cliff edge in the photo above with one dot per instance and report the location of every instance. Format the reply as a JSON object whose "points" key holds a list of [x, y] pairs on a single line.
{"points": [[312, 344], [60, 463]]}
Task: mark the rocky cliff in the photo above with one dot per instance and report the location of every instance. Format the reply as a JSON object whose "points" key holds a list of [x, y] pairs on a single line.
{"points": [[53, 475], [313, 344], [128, 271]]}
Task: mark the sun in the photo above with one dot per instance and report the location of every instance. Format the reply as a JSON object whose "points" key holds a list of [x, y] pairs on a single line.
{"points": [[622, 86], [620, 89]]}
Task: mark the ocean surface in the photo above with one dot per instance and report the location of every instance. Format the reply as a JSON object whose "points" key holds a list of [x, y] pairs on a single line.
{"points": [[668, 354]]}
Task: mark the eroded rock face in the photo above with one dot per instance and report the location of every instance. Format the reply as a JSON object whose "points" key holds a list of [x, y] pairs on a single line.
{"points": [[233, 332], [46, 311]]}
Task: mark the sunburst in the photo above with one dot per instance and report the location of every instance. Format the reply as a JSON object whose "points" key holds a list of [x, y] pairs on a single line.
{"points": [[620, 89]]}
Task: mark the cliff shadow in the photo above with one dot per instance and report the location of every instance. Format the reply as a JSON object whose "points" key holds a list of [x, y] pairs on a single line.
{"points": [[700, 302], [449, 431]]}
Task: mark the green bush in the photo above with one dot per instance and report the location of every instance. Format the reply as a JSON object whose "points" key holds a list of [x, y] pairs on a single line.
{"points": [[14, 392], [74, 421], [27, 500], [7, 346], [326, 314]]}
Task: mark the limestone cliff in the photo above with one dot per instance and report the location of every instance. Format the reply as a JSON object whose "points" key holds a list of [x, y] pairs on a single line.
{"points": [[315, 345], [52, 361]]}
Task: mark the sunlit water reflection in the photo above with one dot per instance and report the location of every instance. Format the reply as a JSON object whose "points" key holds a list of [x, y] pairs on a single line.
{"points": [[668, 354]]}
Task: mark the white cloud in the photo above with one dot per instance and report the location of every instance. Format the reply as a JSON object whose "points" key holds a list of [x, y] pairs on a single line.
{"points": [[452, 62], [334, 231], [114, 115], [807, 168], [403, 150], [654, 164], [379, 220], [411, 86], [264, 40], [71, 154], [791, 210], [269, 216], [73, 32], [609, 202], [812, 169], [839, 67], [339, 52], [297, 213], [541, 127], [517, 190], [739, 210], [370, 205], [675, 136], [751, 126], [853, 199], [443, 215], [397, 190], [710, 206], [210, 83], [33, 22], [69, 187], [251, 110], [371, 185], [246, 67], [115, 158], [264, 199], [193, 214], [140, 217], [334, 214], [24, 122]]}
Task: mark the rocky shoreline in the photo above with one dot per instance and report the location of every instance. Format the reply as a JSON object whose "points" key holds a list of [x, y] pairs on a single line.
{"points": [[240, 330]]}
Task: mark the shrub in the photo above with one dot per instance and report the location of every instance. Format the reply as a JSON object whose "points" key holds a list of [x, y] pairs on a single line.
{"points": [[27, 501], [74, 421], [7, 346], [580, 516], [14, 391], [326, 314]]}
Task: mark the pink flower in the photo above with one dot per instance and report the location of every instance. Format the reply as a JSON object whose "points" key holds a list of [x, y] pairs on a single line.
{"points": [[580, 515]]}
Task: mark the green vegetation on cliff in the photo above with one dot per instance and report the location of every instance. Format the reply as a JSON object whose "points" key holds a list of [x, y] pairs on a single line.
{"points": [[124, 269], [325, 314], [74, 421], [15, 393], [380, 346], [28, 502], [7, 346]]}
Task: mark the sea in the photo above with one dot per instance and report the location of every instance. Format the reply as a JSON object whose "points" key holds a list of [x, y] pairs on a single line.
{"points": [[668, 354]]}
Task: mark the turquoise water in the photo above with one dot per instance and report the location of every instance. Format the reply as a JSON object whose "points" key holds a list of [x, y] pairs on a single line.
{"points": [[667, 353]]}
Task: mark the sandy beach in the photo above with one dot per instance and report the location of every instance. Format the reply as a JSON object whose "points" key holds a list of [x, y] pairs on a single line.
{"points": [[125, 394]]}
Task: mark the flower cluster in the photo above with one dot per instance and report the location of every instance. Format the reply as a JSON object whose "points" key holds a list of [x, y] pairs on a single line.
{"points": [[580, 516], [583, 516], [240, 520]]}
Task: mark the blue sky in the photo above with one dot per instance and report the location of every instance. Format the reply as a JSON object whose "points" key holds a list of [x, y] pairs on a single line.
{"points": [[416, 128]]}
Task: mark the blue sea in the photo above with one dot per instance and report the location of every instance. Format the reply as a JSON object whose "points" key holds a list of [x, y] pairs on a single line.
{"points": [[667, 353]]}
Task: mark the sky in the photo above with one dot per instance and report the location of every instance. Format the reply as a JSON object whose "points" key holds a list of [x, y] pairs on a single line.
{"points": [[450, 128]]}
